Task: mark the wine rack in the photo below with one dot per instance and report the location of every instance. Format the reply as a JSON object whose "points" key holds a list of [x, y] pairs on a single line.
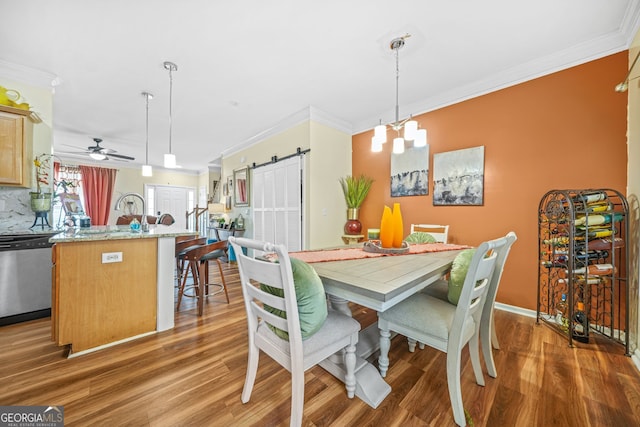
{"points": [[582, 238]]}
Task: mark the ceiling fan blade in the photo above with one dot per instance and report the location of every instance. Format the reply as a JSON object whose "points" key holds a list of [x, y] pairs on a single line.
{"points": [[120, 156]]}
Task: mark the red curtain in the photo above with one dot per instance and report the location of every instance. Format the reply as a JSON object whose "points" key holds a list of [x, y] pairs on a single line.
{"points": [[97, 188]]}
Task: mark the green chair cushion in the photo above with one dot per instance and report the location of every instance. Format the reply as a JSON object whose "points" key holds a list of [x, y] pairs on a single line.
{"points": [[459, 270], [312, 302], [420, 237]]}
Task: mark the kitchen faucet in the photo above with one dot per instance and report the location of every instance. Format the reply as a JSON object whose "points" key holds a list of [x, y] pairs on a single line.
{"points": [[144, 225]]}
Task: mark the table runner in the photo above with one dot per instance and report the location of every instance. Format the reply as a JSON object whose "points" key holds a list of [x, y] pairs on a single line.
{"points": [[342, 254]]}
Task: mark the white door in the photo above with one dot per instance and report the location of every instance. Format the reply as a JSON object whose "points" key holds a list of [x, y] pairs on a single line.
{"points": [[171, 200], [277, 203]]}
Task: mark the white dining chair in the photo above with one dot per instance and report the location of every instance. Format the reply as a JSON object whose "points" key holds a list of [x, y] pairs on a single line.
{"points": [[444, 326], [338, 333], [439, 232], [488, 336]]}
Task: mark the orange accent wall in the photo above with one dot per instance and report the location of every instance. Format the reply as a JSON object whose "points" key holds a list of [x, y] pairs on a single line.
{"points": [[566, 130]]}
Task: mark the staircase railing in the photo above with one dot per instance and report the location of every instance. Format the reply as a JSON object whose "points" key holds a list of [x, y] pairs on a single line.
{"points": [[197, 220]]}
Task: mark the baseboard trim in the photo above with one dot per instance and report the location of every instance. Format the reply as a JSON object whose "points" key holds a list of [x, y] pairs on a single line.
{"points": [[515, 309]]}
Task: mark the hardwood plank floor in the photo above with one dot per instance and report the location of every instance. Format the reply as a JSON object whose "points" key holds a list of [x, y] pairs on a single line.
{"points": [[193, 376]]}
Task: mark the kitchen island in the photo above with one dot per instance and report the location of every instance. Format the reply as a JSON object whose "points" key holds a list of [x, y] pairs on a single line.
{"points": [[111, 285]]}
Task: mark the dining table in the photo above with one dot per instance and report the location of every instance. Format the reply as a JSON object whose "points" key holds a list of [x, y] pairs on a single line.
{"points": [[378, 282]]}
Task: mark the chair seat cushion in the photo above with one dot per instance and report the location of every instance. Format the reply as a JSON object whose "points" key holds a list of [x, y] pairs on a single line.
{"points": [[431, 316], [312, 301], [459, 270], [438, 289], [420, 237], [213, 255], [335, 327]]}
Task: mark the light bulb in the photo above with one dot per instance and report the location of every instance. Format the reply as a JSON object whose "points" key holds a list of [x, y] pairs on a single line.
{"points": [[170, 161], [410, 129], [147, 170], [376, 145], [380, 133], [97, 156], [421, 138], [398, 145]]}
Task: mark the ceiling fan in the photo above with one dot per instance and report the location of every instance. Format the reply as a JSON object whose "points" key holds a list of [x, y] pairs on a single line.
{"points": [[98, 152]]}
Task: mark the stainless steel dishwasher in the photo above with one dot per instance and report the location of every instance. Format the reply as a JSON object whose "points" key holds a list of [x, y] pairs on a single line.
{"points": [[25, 277]]}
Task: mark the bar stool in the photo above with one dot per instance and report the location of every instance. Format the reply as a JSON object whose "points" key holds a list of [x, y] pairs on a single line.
{"points": [[183, 244], [197, 260]]}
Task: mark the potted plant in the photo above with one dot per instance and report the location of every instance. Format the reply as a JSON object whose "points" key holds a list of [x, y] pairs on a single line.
{"points": [[355, 190]]}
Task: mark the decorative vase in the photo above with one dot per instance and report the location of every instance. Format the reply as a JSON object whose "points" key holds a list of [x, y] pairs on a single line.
{"points": [[353, 225], [398, 230], [386, 228], [40, 202]]}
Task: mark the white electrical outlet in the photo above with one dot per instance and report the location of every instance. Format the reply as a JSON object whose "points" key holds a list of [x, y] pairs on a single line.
{"points": [[109, 257]]}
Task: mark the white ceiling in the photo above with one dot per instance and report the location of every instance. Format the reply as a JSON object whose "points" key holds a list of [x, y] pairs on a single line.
{"points": [[244, 67]]}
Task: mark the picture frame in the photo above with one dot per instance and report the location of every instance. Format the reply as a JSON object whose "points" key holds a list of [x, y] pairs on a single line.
{"points": [[458, 177], [410, 172], [241, 187], [228, 191]]}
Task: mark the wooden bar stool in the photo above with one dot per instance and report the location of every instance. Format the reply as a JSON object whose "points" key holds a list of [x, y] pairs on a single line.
{"points": [[197, 260], [182, 246]]}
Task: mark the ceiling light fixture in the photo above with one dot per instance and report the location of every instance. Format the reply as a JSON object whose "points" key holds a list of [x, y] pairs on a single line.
{"points": [[622, 87], [147, 170], [411, 131], [170, 158], [97, 156]]}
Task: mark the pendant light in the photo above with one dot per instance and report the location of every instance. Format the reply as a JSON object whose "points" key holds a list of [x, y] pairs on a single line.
{"points": [[147, 170], [170, 158], [410, 126]]}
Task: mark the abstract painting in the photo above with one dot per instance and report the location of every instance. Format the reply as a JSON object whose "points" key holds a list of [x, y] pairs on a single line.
{"points": [[458, 177], [410, 172]]}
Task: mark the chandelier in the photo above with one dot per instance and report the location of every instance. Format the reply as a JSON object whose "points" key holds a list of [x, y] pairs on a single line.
{"points": [[411, 131]]}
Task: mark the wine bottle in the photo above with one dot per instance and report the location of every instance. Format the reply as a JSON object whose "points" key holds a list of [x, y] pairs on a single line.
{"points": [[596, 270], [587, 256], [580, 324], [592, 197], [561, 312], [592, 233], [557, 241], [600, 219]]}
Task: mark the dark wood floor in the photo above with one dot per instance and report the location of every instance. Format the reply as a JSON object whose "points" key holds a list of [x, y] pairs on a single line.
{"points": [[193, 376]]}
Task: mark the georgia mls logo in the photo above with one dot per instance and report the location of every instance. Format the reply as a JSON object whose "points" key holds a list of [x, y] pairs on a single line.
{"points": [[33, 416]]}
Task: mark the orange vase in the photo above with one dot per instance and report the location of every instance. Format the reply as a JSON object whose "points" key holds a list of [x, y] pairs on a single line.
{"points": [[398, 231], [386, 228]]}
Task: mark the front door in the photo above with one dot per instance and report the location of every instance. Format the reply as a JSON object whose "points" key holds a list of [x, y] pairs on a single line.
{"points": [[171, 200]]}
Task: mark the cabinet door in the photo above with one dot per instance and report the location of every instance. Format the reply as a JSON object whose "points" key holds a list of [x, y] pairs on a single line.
{"points": [[13, 149]]}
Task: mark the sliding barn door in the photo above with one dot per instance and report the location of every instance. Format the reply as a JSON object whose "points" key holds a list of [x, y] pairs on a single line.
{"points": [[277, 203]]}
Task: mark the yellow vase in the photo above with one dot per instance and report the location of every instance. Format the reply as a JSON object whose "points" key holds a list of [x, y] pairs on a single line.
{"points": [[386, 228], [398, 231]]}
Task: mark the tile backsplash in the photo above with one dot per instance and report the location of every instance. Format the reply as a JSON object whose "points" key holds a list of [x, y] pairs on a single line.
{"points": [[16, 215]]}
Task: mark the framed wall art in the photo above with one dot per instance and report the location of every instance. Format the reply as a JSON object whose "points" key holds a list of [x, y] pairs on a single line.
{"points": [[458, 177], [241, 187], [410, 172]]}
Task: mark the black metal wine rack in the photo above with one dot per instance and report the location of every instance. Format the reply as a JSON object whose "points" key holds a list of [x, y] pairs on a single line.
{"points": [[582, 247]]}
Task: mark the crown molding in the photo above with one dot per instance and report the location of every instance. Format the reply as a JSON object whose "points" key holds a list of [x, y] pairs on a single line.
{"points": [[307, 114], [29, 75]]}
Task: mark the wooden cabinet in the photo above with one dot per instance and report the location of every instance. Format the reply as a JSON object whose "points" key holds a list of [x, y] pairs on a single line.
{"points": [[15, 146], [103, 291]]}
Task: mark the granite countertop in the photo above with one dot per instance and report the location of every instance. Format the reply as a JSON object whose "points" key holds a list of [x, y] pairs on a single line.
{"points": [[114, 232]]}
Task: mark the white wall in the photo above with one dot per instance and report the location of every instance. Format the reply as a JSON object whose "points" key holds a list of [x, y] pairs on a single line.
{"points": [[329, 158], [633, 192]]}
